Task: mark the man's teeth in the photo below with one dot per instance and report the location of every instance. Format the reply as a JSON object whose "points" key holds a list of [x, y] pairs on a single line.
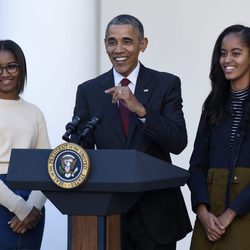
{"points": [[119, 59]]}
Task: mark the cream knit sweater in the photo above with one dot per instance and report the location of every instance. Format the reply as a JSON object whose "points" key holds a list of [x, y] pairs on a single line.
{"points": [[22, 125]]}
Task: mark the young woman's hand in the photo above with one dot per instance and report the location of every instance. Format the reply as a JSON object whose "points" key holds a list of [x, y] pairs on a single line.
{"points": [[29, 222], [213, 227], [227, 217], [17, 225]]}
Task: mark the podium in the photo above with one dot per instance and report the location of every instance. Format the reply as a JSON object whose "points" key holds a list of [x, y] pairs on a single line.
{"points": [[117, 179]]}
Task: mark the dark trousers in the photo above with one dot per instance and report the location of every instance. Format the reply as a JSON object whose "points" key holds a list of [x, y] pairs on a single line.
{"points": [[135, 235], [31, 240]]}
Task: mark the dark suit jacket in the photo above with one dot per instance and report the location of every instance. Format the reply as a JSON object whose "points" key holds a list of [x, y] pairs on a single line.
{"points": [[164, 131]]}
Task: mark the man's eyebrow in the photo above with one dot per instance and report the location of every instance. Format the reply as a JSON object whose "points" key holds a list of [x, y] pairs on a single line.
{"points": [[128, 38]]}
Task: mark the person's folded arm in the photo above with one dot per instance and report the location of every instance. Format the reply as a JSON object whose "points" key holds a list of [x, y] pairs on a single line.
{"points": [[14, 203]]}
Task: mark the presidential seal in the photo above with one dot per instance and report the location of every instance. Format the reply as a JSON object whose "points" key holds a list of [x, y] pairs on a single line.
{"points": [[68, 165]]}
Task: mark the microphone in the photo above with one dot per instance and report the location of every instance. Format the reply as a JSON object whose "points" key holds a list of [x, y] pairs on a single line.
{"points": [[71, 127], [90, 125]]}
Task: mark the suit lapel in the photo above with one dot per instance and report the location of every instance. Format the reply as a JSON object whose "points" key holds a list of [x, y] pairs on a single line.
{"points": [[144, 86], [111, 110], [143, 91]]}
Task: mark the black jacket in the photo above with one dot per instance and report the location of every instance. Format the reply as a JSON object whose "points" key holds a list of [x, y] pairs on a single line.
{"points": [[164, 132], [216, 153]]}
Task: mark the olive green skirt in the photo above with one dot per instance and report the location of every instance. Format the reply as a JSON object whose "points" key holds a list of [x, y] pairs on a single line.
{"points": [[237, 236]]}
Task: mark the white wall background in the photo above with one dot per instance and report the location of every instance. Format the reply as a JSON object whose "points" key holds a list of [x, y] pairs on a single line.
{"points": [[63, 43]]}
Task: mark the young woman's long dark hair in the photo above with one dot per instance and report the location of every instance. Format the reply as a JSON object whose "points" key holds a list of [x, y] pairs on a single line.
{"points": [[215, 106]]}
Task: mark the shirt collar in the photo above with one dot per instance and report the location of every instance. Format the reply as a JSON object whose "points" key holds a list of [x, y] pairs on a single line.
{"points": [[132, 76]]}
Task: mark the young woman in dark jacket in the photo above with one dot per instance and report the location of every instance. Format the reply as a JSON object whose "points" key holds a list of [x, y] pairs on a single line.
{"points": [[220, 162]]}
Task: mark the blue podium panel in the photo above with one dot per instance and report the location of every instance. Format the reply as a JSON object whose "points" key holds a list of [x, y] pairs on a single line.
{"points": [[117, 179]]}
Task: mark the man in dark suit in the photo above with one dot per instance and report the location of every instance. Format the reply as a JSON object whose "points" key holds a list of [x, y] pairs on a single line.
{"points": [[155, 125]]}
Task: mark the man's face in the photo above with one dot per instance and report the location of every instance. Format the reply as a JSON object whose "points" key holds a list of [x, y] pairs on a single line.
{"points": [[123, 47]]}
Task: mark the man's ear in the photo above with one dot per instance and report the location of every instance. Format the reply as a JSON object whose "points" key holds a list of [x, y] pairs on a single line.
{"points": [[143, 44]]}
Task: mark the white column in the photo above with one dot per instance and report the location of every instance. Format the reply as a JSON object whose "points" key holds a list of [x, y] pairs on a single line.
{"points": [[60, 41]]}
